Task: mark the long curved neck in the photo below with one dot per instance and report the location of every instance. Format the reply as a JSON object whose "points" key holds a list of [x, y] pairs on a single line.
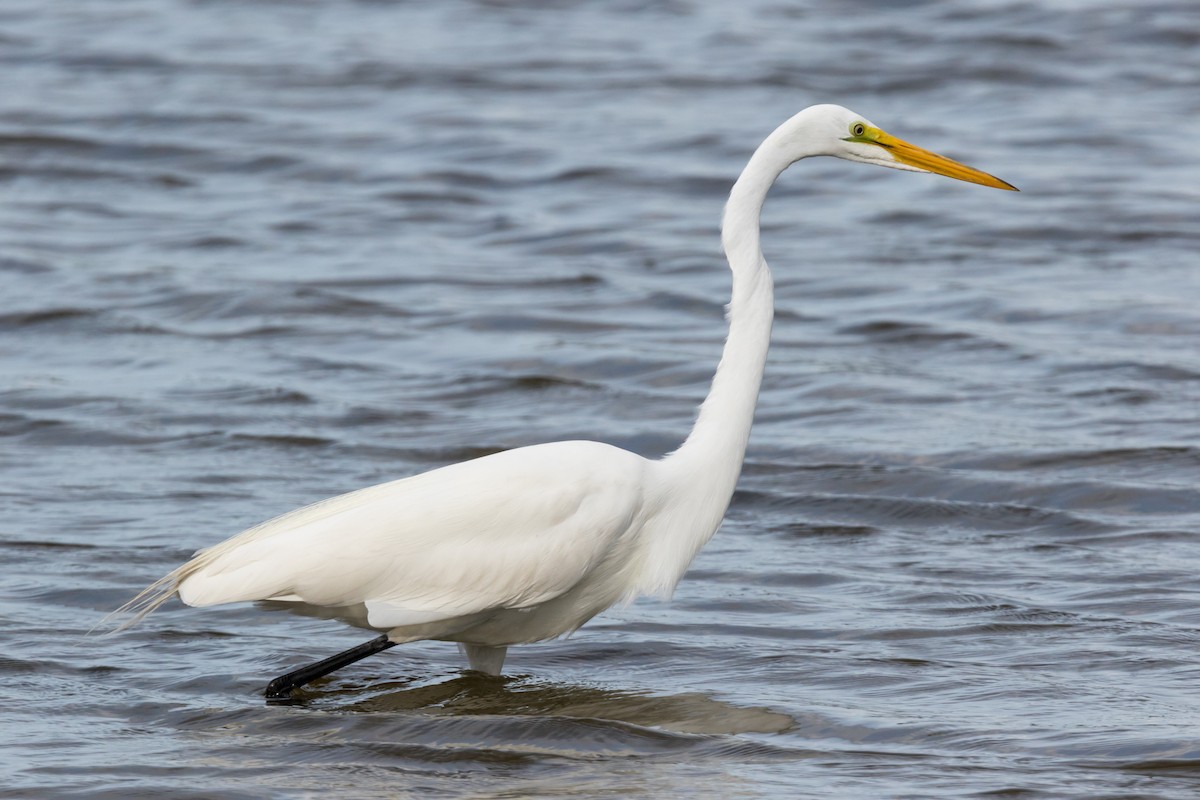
{"points": [[715, 448], [699, 477], [722, 426]]}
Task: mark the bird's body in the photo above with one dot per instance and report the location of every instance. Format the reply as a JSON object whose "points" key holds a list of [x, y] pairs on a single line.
{"points": [[531, 543], [416, 559]]}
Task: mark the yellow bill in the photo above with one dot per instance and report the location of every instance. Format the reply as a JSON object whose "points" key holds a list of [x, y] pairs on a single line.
{"points": [[921, 158]]}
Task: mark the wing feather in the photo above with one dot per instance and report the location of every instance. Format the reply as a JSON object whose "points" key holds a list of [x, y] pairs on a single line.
{"points": [[510, 530]]}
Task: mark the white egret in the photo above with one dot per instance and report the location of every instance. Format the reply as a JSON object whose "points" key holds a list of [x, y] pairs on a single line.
{"points": [[529, 544]]}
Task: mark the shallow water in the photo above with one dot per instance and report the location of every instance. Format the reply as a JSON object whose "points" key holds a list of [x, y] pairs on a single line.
{"points": [[254, 254]]}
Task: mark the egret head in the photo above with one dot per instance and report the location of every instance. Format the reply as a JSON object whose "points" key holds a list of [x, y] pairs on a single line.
{"points": [[853, 137]]}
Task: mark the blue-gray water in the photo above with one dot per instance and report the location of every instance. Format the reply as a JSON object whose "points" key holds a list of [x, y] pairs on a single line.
{"points": [[253, 254]]}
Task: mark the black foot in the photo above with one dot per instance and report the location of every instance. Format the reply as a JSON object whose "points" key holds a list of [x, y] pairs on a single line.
{"points": [[282, 686]]}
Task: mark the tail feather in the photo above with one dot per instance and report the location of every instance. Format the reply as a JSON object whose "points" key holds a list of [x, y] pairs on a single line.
{"points": [[145, 602], [149, 599]]}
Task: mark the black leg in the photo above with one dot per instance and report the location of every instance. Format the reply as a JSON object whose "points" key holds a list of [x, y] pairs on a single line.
{"points": [[284, 684]]}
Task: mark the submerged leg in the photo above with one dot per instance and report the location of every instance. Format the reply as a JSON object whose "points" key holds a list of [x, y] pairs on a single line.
{"points": [[483, 658], [284, 684]]}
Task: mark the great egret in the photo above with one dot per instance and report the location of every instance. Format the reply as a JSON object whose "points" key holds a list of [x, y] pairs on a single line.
{"points": [[528, 544]]}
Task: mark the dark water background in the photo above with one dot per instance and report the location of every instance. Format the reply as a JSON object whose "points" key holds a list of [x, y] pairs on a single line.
{"points": [[253, 254]]}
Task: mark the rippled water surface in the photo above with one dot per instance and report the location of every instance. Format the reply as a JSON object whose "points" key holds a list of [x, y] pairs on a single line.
{"points": [[254, 254]]}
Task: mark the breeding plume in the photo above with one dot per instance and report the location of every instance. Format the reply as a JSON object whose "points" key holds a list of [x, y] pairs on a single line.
{"points": [[531, 543]]}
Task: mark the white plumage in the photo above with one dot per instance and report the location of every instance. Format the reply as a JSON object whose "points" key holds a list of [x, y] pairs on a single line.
{"points": [[424, 560], [531, 543]]}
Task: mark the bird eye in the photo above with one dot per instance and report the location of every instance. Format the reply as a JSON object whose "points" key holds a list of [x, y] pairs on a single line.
{"points": [[858, 129]]}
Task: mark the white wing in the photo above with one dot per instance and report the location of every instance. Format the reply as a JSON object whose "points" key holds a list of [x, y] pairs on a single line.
{"points": [[510, 530]]}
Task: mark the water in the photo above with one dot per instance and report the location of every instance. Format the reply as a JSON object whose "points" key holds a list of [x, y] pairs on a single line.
{"points": [[254, 254]]}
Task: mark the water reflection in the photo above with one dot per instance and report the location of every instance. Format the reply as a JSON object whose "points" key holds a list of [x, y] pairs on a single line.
{"points": [[474, 694]]}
